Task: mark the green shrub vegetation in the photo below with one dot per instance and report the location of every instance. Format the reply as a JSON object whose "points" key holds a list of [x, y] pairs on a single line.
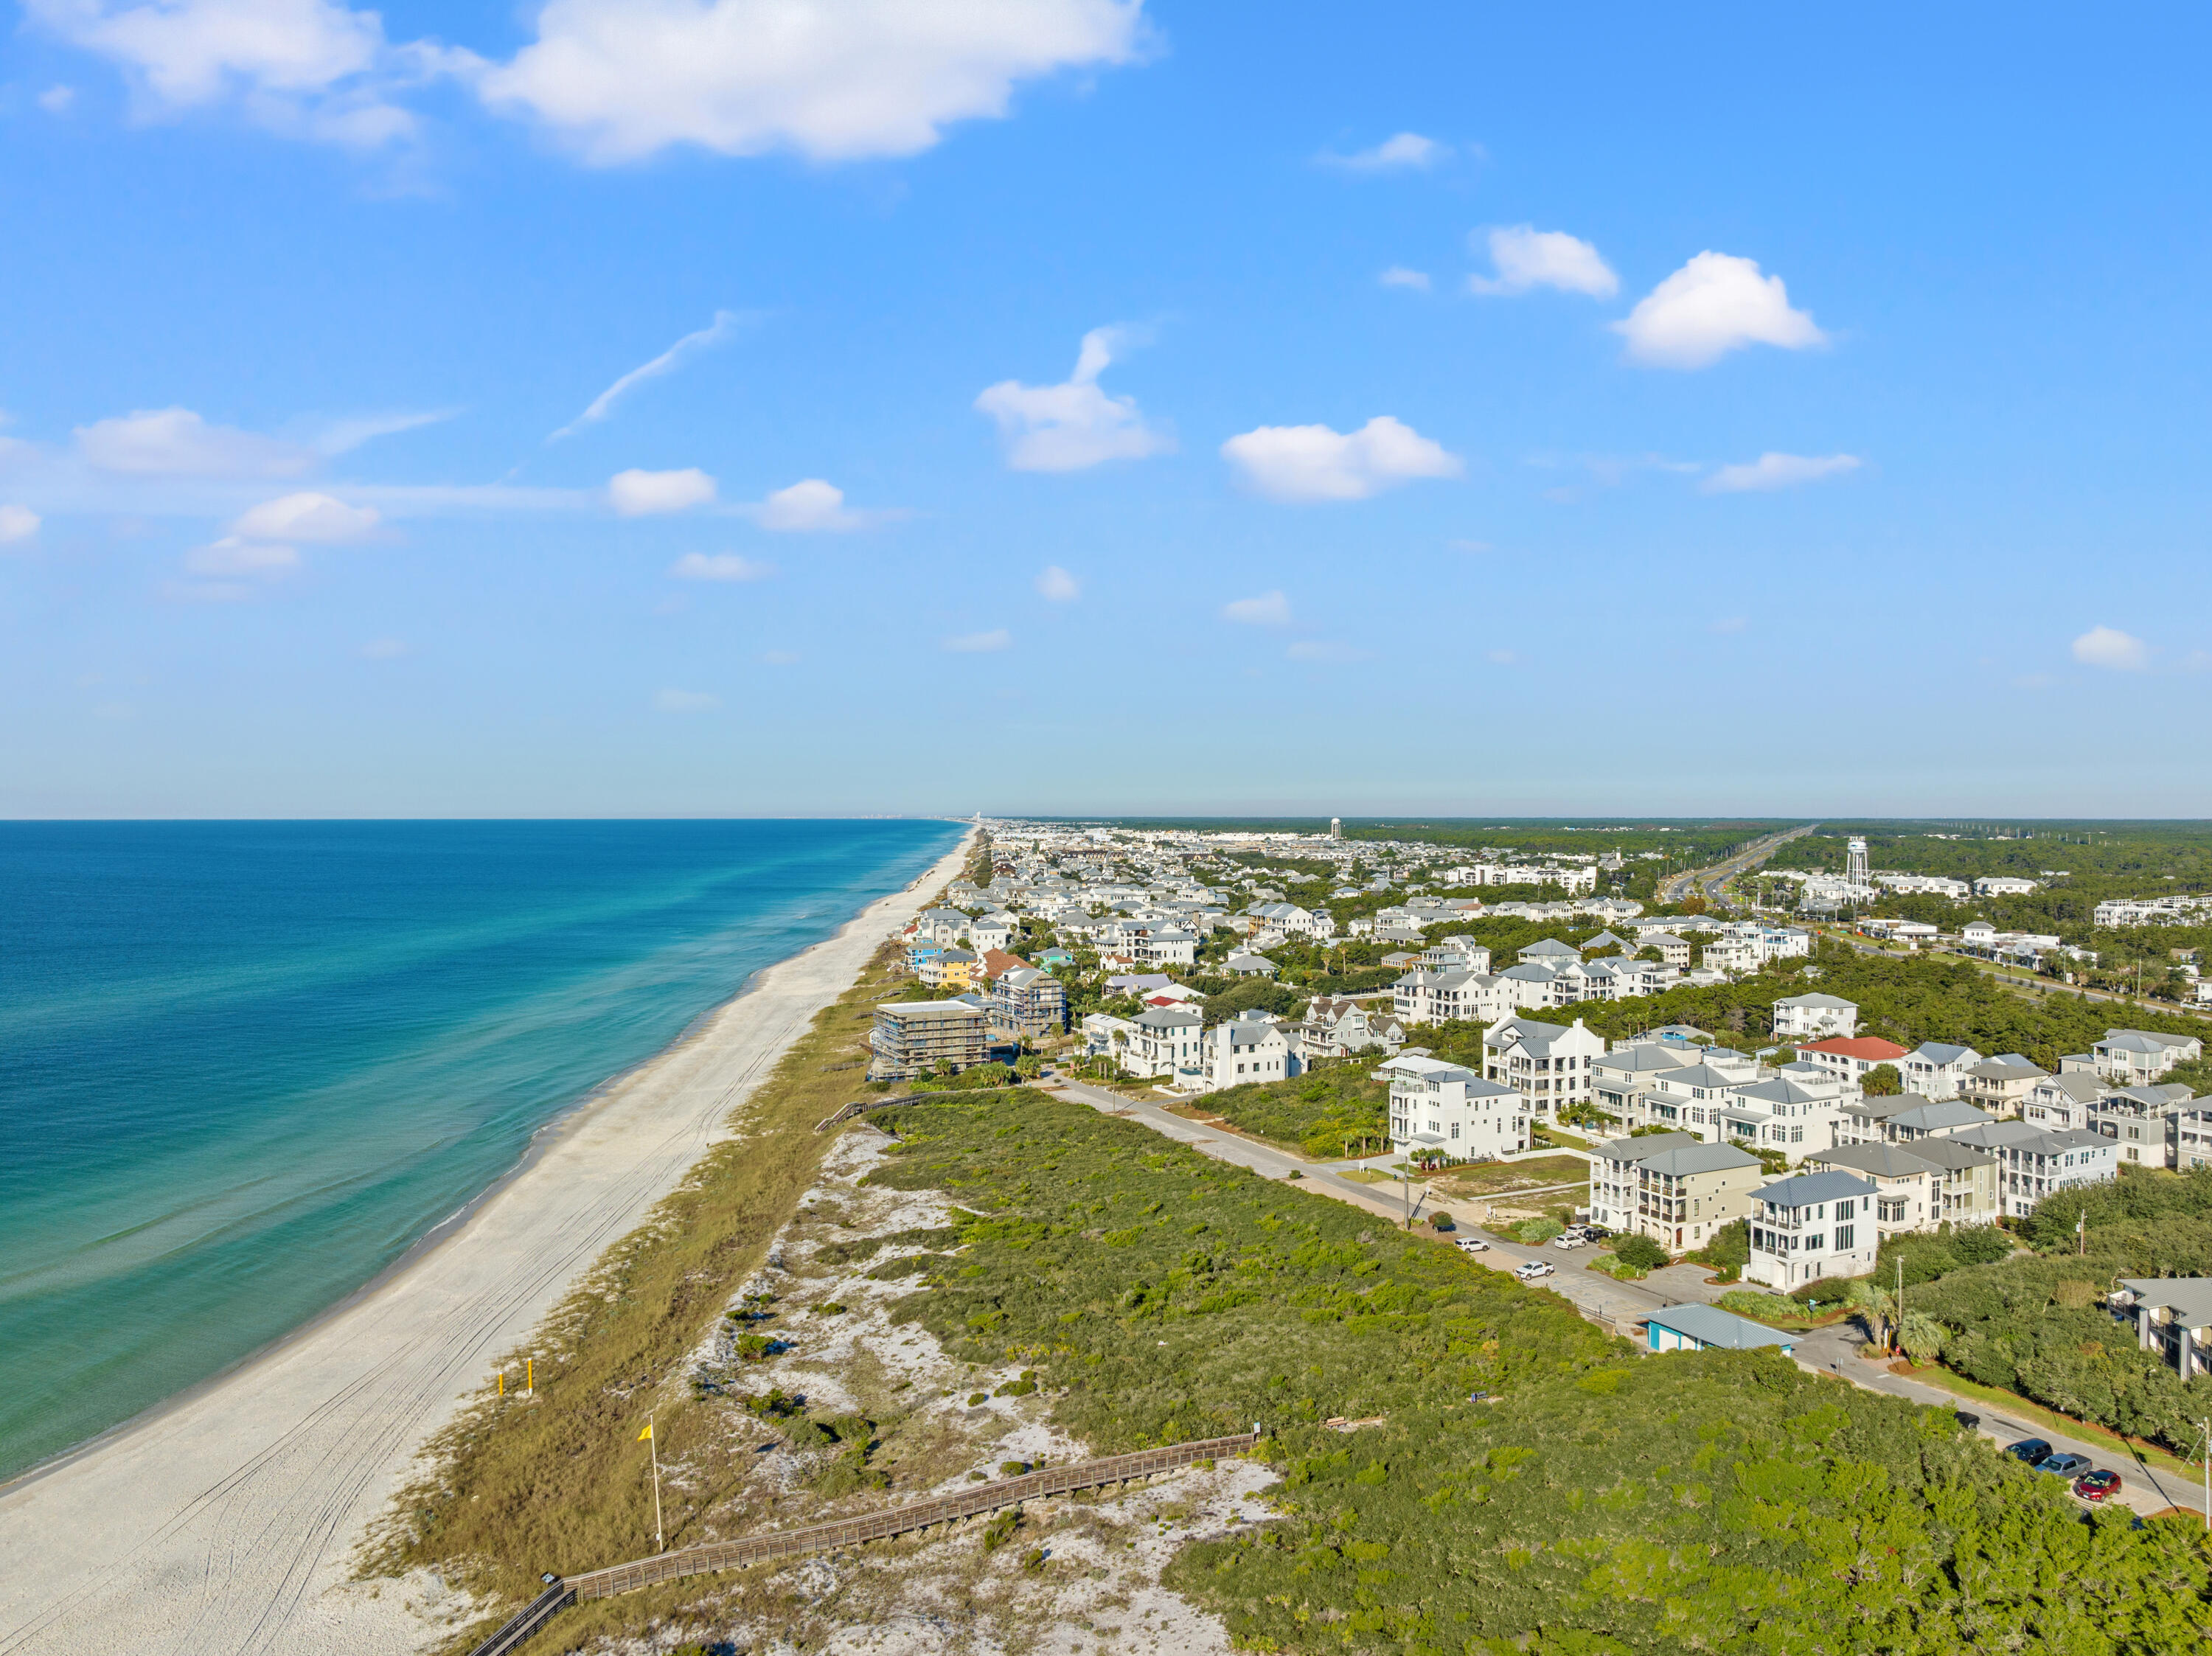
{"points": [[1729, 1252], [2035, 1323], [1608, 1503], [1316, 1112], [1640, 1251]]}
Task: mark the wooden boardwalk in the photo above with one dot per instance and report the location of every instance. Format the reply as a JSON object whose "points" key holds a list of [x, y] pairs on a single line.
{"points": [[849, 1531]]}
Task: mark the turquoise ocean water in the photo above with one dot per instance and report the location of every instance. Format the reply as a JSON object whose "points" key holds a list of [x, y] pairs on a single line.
{"points": [[243, 1066]]}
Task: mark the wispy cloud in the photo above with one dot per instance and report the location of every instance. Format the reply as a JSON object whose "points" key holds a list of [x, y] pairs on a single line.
{"points": [[976, 644], [1398, 276], [720, 567], [724, 326], [1055, 585], [1323, 649], [319, 519], [1728, 624], [1407, 152], [385, 649], [17, 523], [343, 436], [686, 701], [1771, 471], [1268, 609], [1526, 258]]}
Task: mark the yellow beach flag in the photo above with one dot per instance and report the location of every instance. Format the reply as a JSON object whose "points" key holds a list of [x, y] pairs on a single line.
{"points": [[646, 1433]]}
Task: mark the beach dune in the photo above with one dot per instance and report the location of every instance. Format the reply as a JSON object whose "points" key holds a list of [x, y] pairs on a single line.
{"points": [[226, 1522]]}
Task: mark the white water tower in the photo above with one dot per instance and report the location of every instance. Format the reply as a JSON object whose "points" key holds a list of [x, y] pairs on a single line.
{"points": [[1855, 865], [1336, 827]]}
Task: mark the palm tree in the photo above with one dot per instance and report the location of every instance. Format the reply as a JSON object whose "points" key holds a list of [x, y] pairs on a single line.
{"points": [[1921, 1335]]}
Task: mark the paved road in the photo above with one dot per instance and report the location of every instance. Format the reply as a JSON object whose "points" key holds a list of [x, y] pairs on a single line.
{"points": [[1833, 1350], [1710, 879]]}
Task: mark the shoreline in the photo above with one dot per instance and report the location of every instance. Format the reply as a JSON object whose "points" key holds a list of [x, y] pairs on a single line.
{"points": [[219, 1519]]}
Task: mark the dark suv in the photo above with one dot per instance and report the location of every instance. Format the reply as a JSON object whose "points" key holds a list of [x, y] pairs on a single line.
{"points": [[2030, 1450]]}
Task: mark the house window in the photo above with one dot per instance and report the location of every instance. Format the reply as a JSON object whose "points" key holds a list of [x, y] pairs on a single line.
{"points": [[1844, 1236]]}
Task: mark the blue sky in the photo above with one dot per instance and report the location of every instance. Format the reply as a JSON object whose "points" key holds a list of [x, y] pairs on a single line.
{"points": [[1065, 407]]}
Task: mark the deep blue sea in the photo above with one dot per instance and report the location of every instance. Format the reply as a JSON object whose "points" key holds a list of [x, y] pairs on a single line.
{"points": [[243, 1066]]}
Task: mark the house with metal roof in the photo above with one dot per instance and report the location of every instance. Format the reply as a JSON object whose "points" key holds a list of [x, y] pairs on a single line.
{"points": [[1935, 1069], [2173, 1318], [1811, 1226], [1694, 1327], [1814, 1017], [2134, 1056]]}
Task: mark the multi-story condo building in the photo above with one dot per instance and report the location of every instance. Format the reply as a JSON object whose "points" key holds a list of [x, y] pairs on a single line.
{"points": [[1027, 1003], [912, 1037]]}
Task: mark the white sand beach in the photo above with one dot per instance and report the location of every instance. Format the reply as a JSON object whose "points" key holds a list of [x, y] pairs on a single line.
{"points": [[225, 1522]]}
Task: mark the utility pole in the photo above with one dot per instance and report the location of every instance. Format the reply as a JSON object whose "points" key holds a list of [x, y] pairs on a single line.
{"points": [[1896, 1340]]}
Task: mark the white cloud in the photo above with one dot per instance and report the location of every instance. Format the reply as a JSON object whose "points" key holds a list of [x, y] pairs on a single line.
{"points": [[971, 644], [1314, 649], [1526, 257], [686, 701], [179, 443], [307, 516], [1313, 463], [2107, 646], [385, 649], [620, 80], [809, 505], [1057, 586], [1268, 609], [637, 494], [719, 565], [1067, 426], [1407, 152], [309, 68], [1398, 276], [1715, 304], [57, 99], [1772, 470], [726, 323], [232, 556], [17, 523]]}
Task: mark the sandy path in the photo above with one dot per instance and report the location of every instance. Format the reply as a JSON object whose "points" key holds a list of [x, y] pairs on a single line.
{"points": [[224, 1523]]}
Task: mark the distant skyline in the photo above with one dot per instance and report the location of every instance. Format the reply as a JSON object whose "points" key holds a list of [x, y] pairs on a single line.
{"points": [[1090, 407]]}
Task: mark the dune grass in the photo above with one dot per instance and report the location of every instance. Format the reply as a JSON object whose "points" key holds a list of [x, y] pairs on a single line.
{"points": [[558, 1481]]}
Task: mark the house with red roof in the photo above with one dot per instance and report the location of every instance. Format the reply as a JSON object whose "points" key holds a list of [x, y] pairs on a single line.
{"points": [[1849, 1059]]}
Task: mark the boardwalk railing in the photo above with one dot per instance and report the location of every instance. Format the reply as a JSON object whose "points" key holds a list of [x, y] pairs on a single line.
{"points": [[847, 1531], [868, 1104]]}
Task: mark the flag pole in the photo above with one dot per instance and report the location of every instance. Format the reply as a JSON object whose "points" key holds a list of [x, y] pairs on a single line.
{"points": [[653, 1440]]}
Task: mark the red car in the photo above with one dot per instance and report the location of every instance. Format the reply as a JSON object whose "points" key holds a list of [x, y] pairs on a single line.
{"points": [[2100, 1485]]}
